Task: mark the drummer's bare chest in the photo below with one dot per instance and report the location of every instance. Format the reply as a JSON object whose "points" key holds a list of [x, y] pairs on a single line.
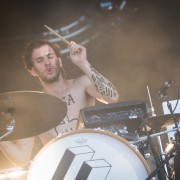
{"points": [[75, 101]]}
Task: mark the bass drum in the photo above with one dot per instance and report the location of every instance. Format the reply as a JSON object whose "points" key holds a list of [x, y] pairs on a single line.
{"points": [[88, 154], [13, 174]]}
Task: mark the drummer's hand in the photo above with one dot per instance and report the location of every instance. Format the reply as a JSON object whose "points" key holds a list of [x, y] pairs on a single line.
{"points": [[77, 53]]}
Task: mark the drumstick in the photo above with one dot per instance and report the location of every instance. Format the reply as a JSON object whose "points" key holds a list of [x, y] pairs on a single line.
{"points": [[59, 36]]}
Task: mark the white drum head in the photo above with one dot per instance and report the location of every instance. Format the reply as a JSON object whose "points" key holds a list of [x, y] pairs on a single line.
{"points": [[89, 154]]}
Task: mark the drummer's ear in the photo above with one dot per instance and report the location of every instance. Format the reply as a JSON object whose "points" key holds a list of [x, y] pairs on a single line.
{"points": [[33, 72], [60, 61]]}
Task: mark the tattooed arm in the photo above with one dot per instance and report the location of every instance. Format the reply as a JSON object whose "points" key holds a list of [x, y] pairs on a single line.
{"points": [[98, 86]]}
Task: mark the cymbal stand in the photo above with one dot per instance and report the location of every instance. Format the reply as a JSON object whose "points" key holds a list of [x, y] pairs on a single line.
{"points": [[176, 123], [152, 114], [166, 158], [144, 138], [162, 153], [172, 113], [163, 163], [157, 160], [170, 155], [10, 126]]}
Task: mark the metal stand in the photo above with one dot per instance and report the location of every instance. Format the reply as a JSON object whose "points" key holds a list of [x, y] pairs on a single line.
{"points": [[163, 163], [6, 134], [10, 126], [162, 155], [176, 149]]}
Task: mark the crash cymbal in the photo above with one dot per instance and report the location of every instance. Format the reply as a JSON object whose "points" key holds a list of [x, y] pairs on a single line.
{"points": [[33, 112], [158, 122]]}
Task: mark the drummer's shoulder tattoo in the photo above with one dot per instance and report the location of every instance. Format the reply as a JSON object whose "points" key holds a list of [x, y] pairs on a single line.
{"points": [[102, 85]]}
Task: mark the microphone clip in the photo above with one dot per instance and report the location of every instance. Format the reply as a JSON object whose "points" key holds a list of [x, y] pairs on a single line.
{"points": [[162, 93]]}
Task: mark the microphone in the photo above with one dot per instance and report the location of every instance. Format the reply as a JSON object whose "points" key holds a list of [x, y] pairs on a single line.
{"points": [[162, 92]]}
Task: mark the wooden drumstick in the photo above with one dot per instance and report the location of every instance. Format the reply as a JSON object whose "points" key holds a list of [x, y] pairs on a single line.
{"points": [[59, 36]]}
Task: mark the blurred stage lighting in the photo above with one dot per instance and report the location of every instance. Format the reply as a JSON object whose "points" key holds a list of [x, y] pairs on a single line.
{"points": [[106, 5]]}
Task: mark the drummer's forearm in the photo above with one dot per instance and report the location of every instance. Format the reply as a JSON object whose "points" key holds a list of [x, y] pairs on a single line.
{"points": [[17, 153], [11, 151], [103, 86]]}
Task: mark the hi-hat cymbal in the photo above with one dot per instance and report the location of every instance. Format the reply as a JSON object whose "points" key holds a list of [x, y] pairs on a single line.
{"points": [[34, 112], [162, 121]]}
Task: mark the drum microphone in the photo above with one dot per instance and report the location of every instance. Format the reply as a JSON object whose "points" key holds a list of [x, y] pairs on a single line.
{"points": [[162, 92]]}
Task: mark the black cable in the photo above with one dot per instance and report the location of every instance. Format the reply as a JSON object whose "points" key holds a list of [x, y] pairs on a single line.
{"points": [[177, 99]]}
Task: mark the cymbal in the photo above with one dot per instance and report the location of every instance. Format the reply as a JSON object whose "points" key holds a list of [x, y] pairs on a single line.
{"points": [[34, 113], [162, 121]]}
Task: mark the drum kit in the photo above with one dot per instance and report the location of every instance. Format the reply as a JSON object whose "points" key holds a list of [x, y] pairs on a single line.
{"points": [[87, 153]]}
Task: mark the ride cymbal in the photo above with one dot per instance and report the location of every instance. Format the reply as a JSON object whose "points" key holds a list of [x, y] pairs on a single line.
{"points": [[162, 121]]}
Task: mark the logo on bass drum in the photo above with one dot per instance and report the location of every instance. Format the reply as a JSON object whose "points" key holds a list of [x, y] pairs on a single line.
{"points": [[80, 162]]}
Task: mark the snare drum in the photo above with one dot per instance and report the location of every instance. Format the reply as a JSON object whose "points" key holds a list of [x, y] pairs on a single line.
{"points": [[13, 174], [88, 154]]}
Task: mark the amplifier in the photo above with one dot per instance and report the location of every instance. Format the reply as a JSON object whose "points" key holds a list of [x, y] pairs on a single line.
{"points": [[129, 113]]}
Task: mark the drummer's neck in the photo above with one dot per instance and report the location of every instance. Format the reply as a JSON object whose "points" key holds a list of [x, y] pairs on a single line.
{"points": [[58, 88]]}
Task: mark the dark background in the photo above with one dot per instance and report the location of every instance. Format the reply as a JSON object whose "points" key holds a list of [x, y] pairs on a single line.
{"points": [[135, 47]]}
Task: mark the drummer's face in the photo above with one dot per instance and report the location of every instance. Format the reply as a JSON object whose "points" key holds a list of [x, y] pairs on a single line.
{"points": [[46, 65]]}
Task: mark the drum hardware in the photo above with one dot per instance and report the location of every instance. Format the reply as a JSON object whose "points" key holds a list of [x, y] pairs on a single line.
{"points": [[163, 157], [129, 136], [159, 174], [169, 147], [127, 112], [175, 122], [151, 110], [148, 139], [125, 134], [120, 131], [148, 133], [144, 138], [25, 114], [164, 163], [10, 126], [122, 118], [159, 122], [13, 174]]}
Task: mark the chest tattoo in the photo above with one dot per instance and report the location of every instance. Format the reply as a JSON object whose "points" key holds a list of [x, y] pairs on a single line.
{"points": [[68, 99]]}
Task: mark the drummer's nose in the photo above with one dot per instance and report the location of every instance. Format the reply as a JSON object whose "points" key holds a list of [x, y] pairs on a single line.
{"points": [[46, 60]]}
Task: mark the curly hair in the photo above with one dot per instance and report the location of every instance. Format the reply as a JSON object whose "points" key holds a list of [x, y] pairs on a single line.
{"points": [[27, 58]]}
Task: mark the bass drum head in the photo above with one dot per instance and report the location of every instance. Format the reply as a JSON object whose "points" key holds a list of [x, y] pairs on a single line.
{"points": [[88, 154]]}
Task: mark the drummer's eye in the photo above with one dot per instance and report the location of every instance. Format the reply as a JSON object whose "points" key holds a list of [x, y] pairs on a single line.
{"points": [[50, 56], [39, 60]]}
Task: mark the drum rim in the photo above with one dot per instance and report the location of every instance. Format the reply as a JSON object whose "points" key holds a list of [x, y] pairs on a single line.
{"points": [[119, 138]]}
